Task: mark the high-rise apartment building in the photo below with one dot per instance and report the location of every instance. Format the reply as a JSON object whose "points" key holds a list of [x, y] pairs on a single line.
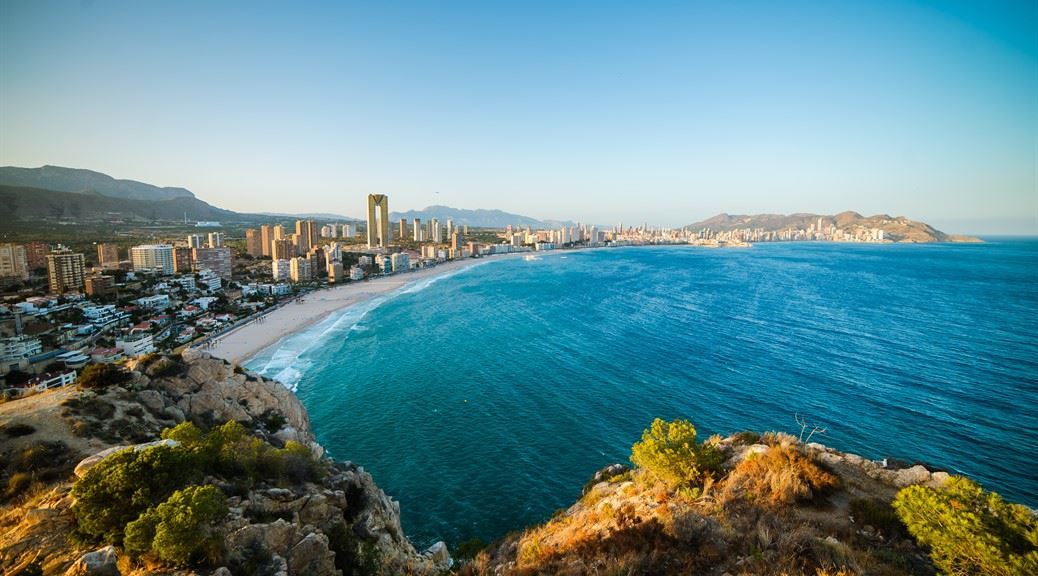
{"points": [[36, 255], [219, 261], [378, 223], [403, 228], [306, 233], [107, 255], [253, 243], [13, 261], [279, 232], [282, 249], [434, 231], [266, 236], [182, 260], [280, 269], [99, 285], [215, 240], [65, 271], [157, 257], [417, 227], [195, 241], [300, 269]]}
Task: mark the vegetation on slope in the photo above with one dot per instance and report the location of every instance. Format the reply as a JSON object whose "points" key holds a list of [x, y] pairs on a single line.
{"points": [[768, 504]]}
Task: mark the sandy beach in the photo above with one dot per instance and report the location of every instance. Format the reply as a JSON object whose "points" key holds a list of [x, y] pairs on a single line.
{"points": [[247, 340]]}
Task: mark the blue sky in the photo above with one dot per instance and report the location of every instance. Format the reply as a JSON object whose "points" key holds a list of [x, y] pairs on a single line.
{"points": [[667, 112]]}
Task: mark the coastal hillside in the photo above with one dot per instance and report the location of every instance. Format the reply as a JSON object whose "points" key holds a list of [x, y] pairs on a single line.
{"points": [[896, 229], [82, 181], [24, 204], [186, 463]]}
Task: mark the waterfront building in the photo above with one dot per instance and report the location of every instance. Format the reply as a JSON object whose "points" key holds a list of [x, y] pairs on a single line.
{"points": [[456, 241], [385, 264], [253, 243], [218, 260], [99, 285], [335, 273], [215, 240], [450, 227], [14, 263], [401, 262], [378, 222], [356, 273], [65, 271], [416, 226], [36, 255], [153, 257], [266, 237], [282, 249], [107, 255], [280, 269], [434, 231], [195, 241], [300, 269], [306, 235], [182, 260], [364, 260], [403, 228]]}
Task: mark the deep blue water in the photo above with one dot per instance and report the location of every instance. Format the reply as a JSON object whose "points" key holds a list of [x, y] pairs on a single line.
{"points": [[484, 400]]}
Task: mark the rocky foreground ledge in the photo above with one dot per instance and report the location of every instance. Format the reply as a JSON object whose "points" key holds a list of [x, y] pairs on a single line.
{"points": [[341, 524]]}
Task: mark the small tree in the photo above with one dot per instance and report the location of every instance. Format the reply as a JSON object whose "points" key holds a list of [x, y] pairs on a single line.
{"points": [[970, 531], [182, 528], [670, 452]]}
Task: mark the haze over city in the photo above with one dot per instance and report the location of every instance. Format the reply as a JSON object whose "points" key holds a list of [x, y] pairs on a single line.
{"points": [[599, 112]]}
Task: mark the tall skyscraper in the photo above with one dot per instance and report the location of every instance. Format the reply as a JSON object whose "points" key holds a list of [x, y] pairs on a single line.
{"points": [[253, 243], [153, 257], [279, 232], [306, 232], [417, 226], [378, 224], [434, 231], [300, 269], [36, 255], [13, 261], [107, 254], [65, 271], [266, 235], [215, 240], [403, 228], [196, 241]]}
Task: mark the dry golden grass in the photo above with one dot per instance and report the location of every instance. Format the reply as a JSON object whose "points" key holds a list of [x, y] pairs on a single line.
{"points": [[779, 477]]}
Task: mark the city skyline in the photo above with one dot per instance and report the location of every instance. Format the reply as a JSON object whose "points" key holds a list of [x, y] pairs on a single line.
{"points": [[558, 112]]}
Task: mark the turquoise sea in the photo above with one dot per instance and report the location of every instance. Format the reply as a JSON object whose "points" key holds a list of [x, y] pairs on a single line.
{"points": [[483, 400]]}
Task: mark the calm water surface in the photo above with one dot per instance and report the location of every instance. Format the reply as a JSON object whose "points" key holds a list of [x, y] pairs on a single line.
{"points": [[482, 401]]}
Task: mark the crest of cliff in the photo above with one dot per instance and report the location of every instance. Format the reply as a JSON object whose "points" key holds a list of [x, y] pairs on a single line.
{"points": [[79, 462]]}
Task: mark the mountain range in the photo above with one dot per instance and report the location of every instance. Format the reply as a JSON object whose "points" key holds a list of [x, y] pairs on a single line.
{"points": [[895, 228], [476, 218]]}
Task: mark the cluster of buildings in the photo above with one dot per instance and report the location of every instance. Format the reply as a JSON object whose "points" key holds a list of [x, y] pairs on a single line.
{"points": [[821, 230]]}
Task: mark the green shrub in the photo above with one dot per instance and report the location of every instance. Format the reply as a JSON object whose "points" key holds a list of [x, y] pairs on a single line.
{"points": [[669, 451], [878, 514], [122, 486], [969, 530], [182, 528], [99, 376], [18, 430]]}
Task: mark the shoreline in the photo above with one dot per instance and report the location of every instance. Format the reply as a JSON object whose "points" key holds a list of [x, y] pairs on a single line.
{"points": [[246, 341]]}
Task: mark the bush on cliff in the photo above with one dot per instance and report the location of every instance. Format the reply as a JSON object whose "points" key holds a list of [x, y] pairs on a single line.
{"points": [[119, 488], [99, 376], [669, 451], [969, 530], [182, 528], [778, 477]]}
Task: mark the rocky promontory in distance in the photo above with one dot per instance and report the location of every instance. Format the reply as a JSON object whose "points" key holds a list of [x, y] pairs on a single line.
{"points": [[843, 226]]}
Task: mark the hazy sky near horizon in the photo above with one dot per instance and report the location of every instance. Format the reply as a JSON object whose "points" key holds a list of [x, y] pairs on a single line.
{"points": [[666, 112]]}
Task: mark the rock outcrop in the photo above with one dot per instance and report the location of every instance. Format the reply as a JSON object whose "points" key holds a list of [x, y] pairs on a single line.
{"points": [[343, 523]]}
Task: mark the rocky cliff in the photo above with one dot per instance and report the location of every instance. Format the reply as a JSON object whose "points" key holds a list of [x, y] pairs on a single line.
{"points": [[341, 523], [777, 506]]}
